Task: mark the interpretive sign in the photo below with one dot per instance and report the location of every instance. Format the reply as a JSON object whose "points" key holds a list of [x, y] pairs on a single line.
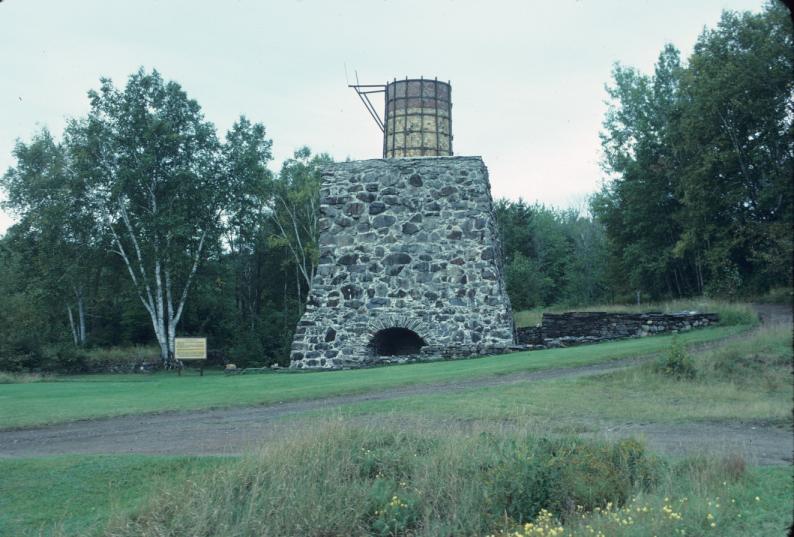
{"points": [[190, 348]]}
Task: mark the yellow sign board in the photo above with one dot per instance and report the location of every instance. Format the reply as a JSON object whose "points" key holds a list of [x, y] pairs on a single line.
{"points": [[190, 348]]}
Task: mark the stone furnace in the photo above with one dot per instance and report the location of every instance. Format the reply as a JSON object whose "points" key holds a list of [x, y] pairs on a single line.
{"points": [[410, 266]]}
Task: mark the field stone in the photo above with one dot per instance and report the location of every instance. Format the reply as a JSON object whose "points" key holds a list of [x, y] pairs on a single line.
{"points": [[394, 268]]}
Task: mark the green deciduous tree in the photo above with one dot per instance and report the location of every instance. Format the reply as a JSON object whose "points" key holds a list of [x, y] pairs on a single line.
{"points": [[57, 220], [153, 164], [700, 158]]}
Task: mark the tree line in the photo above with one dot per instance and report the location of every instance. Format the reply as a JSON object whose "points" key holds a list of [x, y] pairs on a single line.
{"points": [[141, 223], [701, 158]]}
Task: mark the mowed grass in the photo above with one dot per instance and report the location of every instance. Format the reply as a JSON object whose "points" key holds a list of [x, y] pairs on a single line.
{"points": [[747, 379], [75, 495], [82, 397]]}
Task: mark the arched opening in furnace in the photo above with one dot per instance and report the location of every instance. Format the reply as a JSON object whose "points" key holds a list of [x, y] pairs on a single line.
{"points": [[396, 342]]}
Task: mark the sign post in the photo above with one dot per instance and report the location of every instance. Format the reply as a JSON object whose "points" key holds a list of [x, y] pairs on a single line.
{"points": [[191, 348]]}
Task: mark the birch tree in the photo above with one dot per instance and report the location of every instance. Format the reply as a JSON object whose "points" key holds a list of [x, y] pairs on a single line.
{"points": [[154, 166], [294, 211], [55, 217]]}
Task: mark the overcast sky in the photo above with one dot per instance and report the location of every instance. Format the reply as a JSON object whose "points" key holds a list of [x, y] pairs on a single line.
{"points": [[527, 76]]}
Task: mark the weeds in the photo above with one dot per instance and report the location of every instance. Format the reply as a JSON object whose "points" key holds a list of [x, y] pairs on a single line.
{"points": [[335, 480], [352, 481], [677, 363], [22, 378]]}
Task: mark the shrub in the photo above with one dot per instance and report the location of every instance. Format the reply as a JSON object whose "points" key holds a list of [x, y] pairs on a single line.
{"points": [[21, 378], [677, 363], [393, 508], [339, 481], [778, 295], [733, 314], [121, 356], [64, 357], [565, 475]]}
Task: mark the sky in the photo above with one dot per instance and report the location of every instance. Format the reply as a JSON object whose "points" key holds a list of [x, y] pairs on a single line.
{"points": [[527, 76]]}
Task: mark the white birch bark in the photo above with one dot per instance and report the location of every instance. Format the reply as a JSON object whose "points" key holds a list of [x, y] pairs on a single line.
{"points": [[81, 333], [71, 324]]}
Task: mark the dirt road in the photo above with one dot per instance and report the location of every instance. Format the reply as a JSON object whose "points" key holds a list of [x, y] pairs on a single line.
{"points": [[234, 430]]}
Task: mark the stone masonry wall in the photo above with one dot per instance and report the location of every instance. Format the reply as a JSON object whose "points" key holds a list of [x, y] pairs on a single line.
{"points": [[405, 243], [587, 327]]}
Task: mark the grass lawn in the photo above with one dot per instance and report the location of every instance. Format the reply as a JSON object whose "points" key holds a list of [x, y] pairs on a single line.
{"points": [[747, 380], [636, 395], [79, 495], [74, 495], [80, 397]]}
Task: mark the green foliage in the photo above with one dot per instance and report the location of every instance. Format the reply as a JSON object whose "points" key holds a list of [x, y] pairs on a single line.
{"points": [[22, 378], [134, 354], [446, 484], [565, 475], [393, 509], [701, 158], [777, 295], [527, 286], [677, 363], [734, 314], [551, 256], [146, 154]]}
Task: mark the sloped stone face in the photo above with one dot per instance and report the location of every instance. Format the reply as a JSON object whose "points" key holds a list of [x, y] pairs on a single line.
{"points": [[405, 243]]}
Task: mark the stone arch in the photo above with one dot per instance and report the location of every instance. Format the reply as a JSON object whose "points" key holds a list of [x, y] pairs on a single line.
{"points": [[396, 321], [396, 341]]}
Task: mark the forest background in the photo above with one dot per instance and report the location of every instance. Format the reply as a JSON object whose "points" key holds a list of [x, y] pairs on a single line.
{"points": [[141, 223]]}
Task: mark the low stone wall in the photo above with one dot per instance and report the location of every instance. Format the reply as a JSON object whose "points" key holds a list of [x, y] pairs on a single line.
{"points": [[529, 335], [573, 328]]}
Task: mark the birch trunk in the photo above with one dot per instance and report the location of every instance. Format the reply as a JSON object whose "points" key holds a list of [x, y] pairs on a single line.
{"points": [[71, 324], [155, 287], [81, 318]]}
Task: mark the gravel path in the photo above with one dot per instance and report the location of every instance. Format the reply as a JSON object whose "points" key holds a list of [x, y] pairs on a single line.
{"points": [[234, 430]]}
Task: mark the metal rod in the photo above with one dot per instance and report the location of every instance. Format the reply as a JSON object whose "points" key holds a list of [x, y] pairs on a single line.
{"points": [[405, 122], [394, 119], [422, 114], [435, 105], [385, 117], [368, 105]]}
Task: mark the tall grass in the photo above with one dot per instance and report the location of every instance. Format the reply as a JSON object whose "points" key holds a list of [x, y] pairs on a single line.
{"points": [[131, 354], [762, 360], [777, 295], [22, 378], [335, 480], [339, 480], [731, 313]]}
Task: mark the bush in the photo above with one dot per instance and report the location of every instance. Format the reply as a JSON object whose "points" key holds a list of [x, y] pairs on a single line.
{"points": [[121, 356], [21, 378], [677, 363], [64, 357], [393, 509], [339, 481], [778, 295], [565, 475]]}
